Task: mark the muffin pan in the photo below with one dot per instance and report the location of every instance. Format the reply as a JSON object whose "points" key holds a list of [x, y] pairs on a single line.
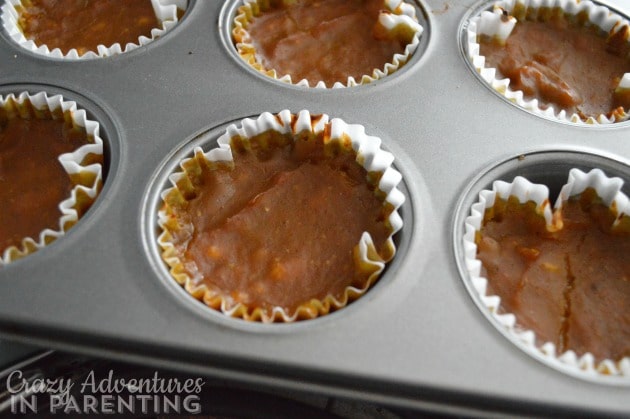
{"points": [[417, 338]]}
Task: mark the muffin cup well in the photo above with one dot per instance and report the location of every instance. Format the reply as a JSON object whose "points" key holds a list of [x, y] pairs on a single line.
{"points": [[608, 191], [336, 135], [84, 165], [166, 12], [501, 20], [398, 18]]}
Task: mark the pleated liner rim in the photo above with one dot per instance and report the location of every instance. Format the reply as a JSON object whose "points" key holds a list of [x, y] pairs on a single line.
{"points": [[609, 192], [396, 14], [84, 165], [337, 133], [165, 12]]}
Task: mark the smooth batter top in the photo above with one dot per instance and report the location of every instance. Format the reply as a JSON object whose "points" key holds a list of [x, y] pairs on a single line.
{"points": [[323, 40], [85, 24], [562, 65], [32, 181], [571, 287], [280, 228]]}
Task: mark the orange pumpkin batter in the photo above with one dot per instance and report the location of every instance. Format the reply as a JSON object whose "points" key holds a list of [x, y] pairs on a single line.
{"points": [[32, 181], [85, 24], [563, 65], [280, 227], [571, 287], [323, 40]]}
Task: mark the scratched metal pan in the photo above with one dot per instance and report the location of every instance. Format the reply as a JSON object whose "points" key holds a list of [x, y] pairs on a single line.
{"points": [[417, 338]]}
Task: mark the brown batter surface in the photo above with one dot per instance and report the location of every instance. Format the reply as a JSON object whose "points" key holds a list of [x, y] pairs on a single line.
{"points": [[563, 65], [280, 228], [571, 287], [85, 24], [323, 40], [32, 181]]}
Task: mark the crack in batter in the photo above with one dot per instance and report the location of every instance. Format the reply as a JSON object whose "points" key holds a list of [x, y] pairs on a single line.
{"points": [[563, 338]]}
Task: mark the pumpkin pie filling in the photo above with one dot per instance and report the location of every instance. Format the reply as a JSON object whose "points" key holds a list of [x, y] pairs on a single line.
{"points": [[83, 25], [280, 227], [572, 286], [32, 181], [323, 40], [563, 64]]}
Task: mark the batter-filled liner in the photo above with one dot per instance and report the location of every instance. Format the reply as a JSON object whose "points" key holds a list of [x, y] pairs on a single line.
{"points": [[167, 15], [319, 50], [315, 170], [544, 85], [81, 169], [555, 284]]}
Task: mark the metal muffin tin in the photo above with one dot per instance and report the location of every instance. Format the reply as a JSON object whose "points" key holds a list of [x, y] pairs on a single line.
{"points": [[416, 339]]}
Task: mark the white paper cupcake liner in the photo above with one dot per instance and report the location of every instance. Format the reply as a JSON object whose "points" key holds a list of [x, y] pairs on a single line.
{"points": [[369, 155], [609, 191], [396, 14], [76, 164], [500, 22], [165, 11]]}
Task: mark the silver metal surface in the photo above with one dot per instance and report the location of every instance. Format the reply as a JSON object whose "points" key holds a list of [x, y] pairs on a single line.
{"points": [[416, 339]]}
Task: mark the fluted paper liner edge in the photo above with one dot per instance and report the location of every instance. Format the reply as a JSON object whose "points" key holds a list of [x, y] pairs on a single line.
{"points": [[395, 14], [609, 191], [81, 164], [369, 155], [499, 23], [165, 12]]}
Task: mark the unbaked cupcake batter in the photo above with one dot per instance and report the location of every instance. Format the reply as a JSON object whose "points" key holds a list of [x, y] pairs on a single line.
{"points": [[324, 40], [32, 181], [563, 65], [85, 24], [281, 227], [571, 287]]}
